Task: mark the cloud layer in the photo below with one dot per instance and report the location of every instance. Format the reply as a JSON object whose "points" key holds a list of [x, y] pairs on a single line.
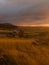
{"points": [[24, 12]]}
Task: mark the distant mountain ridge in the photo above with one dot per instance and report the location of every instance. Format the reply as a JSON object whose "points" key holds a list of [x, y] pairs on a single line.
{"points": [[7, 26]]}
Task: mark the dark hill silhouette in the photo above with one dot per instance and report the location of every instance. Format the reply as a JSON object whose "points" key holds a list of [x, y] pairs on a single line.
{"points": [[7, 26]]}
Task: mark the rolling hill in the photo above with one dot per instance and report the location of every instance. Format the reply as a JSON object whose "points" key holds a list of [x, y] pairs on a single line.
{"points": [[7, 26]]}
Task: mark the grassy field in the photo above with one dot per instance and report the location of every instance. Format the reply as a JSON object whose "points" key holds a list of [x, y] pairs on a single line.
{"points": [[26, 50]]}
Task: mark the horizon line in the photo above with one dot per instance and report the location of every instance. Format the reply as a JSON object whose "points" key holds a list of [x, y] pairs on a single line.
{"points": [[34, 25]]}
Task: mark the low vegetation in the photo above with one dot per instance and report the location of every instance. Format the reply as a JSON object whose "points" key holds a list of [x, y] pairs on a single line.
{"points": [[30, 46]]}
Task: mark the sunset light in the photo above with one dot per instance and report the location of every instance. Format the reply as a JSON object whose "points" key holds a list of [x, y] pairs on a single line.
{"points": [[24, 32]]}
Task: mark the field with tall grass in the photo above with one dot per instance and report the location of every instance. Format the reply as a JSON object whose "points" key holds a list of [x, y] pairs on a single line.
{"points": [[30, 49]]}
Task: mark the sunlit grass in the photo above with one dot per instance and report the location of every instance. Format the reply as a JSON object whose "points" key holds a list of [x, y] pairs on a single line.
{"points": [[26, 51]]}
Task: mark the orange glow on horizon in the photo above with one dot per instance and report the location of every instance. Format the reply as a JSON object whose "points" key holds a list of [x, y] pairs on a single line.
{"points": [[33, 25], [44, 25]]}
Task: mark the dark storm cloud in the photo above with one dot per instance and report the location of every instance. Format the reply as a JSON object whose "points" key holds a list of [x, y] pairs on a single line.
{"points": [[23, 10], [16, 5]]}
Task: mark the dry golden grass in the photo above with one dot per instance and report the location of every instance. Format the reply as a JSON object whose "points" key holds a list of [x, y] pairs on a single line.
{"points": [[24, 52]]}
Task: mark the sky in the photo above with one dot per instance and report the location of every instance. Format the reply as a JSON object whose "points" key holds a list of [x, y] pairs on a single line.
{"points": [[24, 12]]}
